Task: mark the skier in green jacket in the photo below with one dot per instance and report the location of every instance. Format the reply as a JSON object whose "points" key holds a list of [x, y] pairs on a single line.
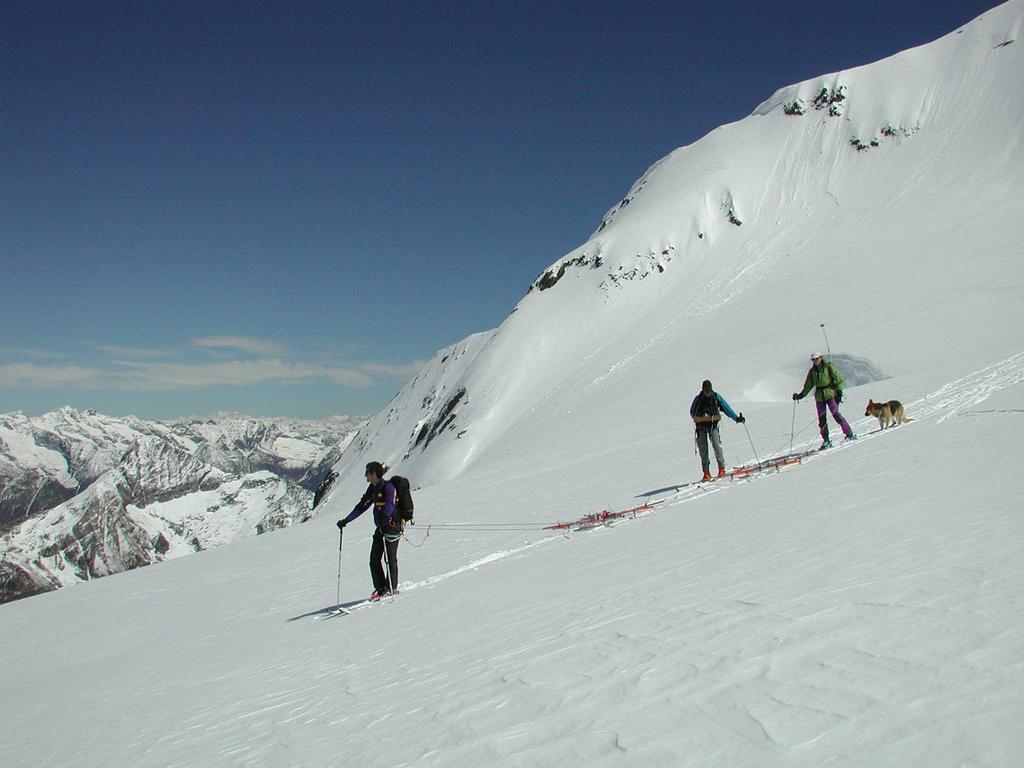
{"points": [[827, 383]]}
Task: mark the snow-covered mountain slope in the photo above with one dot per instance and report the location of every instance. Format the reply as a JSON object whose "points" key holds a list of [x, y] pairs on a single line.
{"points": [[152, 490], [861, 609], [881, 201]]}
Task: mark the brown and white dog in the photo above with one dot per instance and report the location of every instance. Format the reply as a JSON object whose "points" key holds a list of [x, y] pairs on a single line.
{"points": [[888, 414]]}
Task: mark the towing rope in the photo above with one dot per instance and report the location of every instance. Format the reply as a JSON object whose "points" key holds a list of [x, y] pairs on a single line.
{"points": [[472, 527], [781, 449]]}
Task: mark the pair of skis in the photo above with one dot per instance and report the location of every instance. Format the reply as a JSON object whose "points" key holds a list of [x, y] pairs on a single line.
{"points": [[605, 517], [778, 462], [597, 519], [343, 609]]}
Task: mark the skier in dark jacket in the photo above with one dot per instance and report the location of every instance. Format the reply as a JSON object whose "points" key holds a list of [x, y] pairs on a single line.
{"points": [[381, 495], [827, 383], [706, 411]]}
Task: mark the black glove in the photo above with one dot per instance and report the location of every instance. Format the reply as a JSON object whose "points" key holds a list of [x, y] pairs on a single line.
{"points": [[342, 524], [839, 396], [796, 395], [740, 419]]}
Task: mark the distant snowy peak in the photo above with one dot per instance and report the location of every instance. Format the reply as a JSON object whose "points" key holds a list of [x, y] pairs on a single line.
{"points": [[46, 460], [294, 448], [959, 86], [160, 501], [74, 446], [84, 495], [154, 466]]}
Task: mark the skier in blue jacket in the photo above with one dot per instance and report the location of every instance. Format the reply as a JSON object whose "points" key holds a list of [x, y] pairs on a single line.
{"points": [[706, 411], [381, 495]]}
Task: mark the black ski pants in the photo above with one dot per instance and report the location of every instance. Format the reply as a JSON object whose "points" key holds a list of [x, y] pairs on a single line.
{"points": [[382, 584]]}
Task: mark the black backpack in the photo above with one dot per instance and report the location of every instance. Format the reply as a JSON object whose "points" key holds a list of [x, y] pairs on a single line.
{"points": [[707, 405], [403, 498]]}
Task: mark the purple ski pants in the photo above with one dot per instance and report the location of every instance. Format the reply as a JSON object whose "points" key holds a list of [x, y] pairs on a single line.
{"points": [[823, 418]]}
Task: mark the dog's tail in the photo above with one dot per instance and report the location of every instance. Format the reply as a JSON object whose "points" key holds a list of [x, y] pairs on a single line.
{"points": [[897, 411]]}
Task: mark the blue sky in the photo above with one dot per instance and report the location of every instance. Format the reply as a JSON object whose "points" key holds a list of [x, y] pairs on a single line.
{"points": [[282, 208]]}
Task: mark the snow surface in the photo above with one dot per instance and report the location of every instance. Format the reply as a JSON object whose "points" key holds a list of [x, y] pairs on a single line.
{"points": [[864, 608]]}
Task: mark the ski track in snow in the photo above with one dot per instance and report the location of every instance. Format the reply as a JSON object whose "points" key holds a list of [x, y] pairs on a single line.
{"points": [[952, 399], [432, 580]]}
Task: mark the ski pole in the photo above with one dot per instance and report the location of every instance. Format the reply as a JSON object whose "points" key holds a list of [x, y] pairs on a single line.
{"points": [[341, 536], [387, 564], [827, 348], [792, 428], [758, 460]]}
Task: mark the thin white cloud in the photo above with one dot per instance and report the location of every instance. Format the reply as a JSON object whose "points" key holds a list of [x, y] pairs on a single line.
{"points": [[349, 377], [248, 344], [30, 354], [147, 375], [263, 362], [131, 352], [394, 371], [32, 376]]}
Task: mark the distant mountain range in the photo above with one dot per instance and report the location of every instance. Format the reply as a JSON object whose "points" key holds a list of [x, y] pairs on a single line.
{"points": [[84, 495]]}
